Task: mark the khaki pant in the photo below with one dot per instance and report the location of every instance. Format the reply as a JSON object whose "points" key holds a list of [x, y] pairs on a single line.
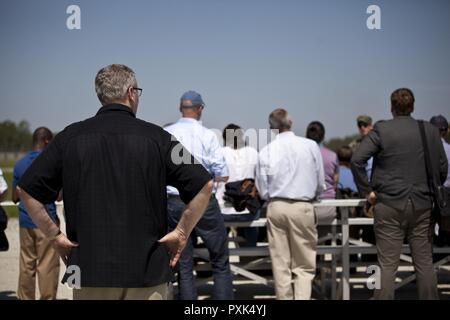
{"points": [[160, 292], [292, 233], [37, 257]]}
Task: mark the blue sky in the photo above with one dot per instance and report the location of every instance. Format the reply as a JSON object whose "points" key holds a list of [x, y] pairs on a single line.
{"points": [[315, 58]]}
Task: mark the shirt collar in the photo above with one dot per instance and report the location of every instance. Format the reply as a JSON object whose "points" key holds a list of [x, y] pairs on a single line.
{"points": [[285, 134], [116, 107], [403, 117], [188, 120]]}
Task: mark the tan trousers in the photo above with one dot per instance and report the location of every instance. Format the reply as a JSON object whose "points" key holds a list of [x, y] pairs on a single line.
{"points": [[160, 292], [37, 256], [292, 233]]}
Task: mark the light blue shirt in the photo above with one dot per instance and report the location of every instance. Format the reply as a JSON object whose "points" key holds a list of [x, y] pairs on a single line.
{"points": [[202, 143], [346, 179], [369, 167]]}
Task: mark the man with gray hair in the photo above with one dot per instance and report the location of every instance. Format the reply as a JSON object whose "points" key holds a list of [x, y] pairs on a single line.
{"points": [[290, 176], [114, 169]]}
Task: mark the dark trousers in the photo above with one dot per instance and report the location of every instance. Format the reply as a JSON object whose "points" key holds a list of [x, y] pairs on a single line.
{"points": [[211, 229], [250, 234], [391, 227]]}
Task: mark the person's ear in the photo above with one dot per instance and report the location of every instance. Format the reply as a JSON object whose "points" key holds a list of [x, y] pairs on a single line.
{"points": [[131, 95]]}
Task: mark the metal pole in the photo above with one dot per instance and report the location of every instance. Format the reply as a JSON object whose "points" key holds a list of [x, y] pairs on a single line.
{"points": [[345, 255]]}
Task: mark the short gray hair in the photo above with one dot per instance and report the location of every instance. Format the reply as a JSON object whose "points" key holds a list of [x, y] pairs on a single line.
{"points": [[112, 83], [280, 119]]}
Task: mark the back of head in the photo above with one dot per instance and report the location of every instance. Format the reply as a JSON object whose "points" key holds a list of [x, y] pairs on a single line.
{"points": [[441, 123], [112, 83], [316, 131], [41, 137], [279, 120], [191, 104], [233, 136], [345, 154], [402, 102]]}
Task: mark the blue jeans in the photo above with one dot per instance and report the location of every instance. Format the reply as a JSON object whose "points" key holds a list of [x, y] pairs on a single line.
{"points": [[211, 230]]}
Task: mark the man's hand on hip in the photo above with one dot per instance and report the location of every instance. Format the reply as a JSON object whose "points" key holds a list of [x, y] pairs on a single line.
{"points": [[63, 246], [175, 241]]}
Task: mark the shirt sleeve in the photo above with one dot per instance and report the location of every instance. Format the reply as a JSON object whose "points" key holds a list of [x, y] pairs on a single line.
{"points": [[262, 177], [216, 160], [183, 171], [3, 184], [321, 186], [43, 179]]}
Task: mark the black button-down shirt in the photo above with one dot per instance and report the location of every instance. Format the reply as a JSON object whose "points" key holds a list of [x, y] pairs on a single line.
{"points": [[114, 169]]}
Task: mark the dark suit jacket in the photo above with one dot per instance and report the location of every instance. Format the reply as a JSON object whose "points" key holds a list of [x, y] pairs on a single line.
{"points": [[399, 167]]}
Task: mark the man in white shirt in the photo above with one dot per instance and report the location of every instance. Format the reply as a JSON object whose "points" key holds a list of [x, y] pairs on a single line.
{"points": [[204, 146], [290, 176], [3, 186]]}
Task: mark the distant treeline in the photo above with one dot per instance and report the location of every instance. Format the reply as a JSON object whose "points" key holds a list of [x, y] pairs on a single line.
{"points": [[15, 137], [336, 143]]}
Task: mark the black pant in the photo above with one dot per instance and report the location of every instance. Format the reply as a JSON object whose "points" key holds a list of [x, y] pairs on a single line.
{"points": [[391, 227]]}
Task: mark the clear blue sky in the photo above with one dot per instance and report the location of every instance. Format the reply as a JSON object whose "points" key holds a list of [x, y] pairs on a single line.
{"points": [[315, 58]]}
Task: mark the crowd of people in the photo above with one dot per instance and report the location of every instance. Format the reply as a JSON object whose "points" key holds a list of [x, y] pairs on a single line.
{"points": [[137, 197]]}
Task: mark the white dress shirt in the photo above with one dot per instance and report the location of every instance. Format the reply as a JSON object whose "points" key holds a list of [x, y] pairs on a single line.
{"points": [[290, 167], [3, 184], [241, 165], [202, 143]]}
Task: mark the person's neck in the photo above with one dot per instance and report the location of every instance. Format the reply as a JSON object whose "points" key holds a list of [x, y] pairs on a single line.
{"points": [[38, 148], [195, 117]]}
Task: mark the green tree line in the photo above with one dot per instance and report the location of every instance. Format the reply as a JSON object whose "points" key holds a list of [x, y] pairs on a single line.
{"points": [[15, 137]]}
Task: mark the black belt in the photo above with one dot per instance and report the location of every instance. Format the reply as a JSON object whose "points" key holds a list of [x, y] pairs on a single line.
{"points": [[290, 200]]}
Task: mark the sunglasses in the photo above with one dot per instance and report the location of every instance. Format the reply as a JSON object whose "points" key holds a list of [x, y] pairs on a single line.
{"points": [[362, 124]]}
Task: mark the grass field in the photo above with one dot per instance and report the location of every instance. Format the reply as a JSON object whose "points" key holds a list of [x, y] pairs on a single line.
{"points": [[7, 166]]}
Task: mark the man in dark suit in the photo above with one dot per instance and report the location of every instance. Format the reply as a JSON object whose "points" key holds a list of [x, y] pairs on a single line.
{"points": [[400, 193]]}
